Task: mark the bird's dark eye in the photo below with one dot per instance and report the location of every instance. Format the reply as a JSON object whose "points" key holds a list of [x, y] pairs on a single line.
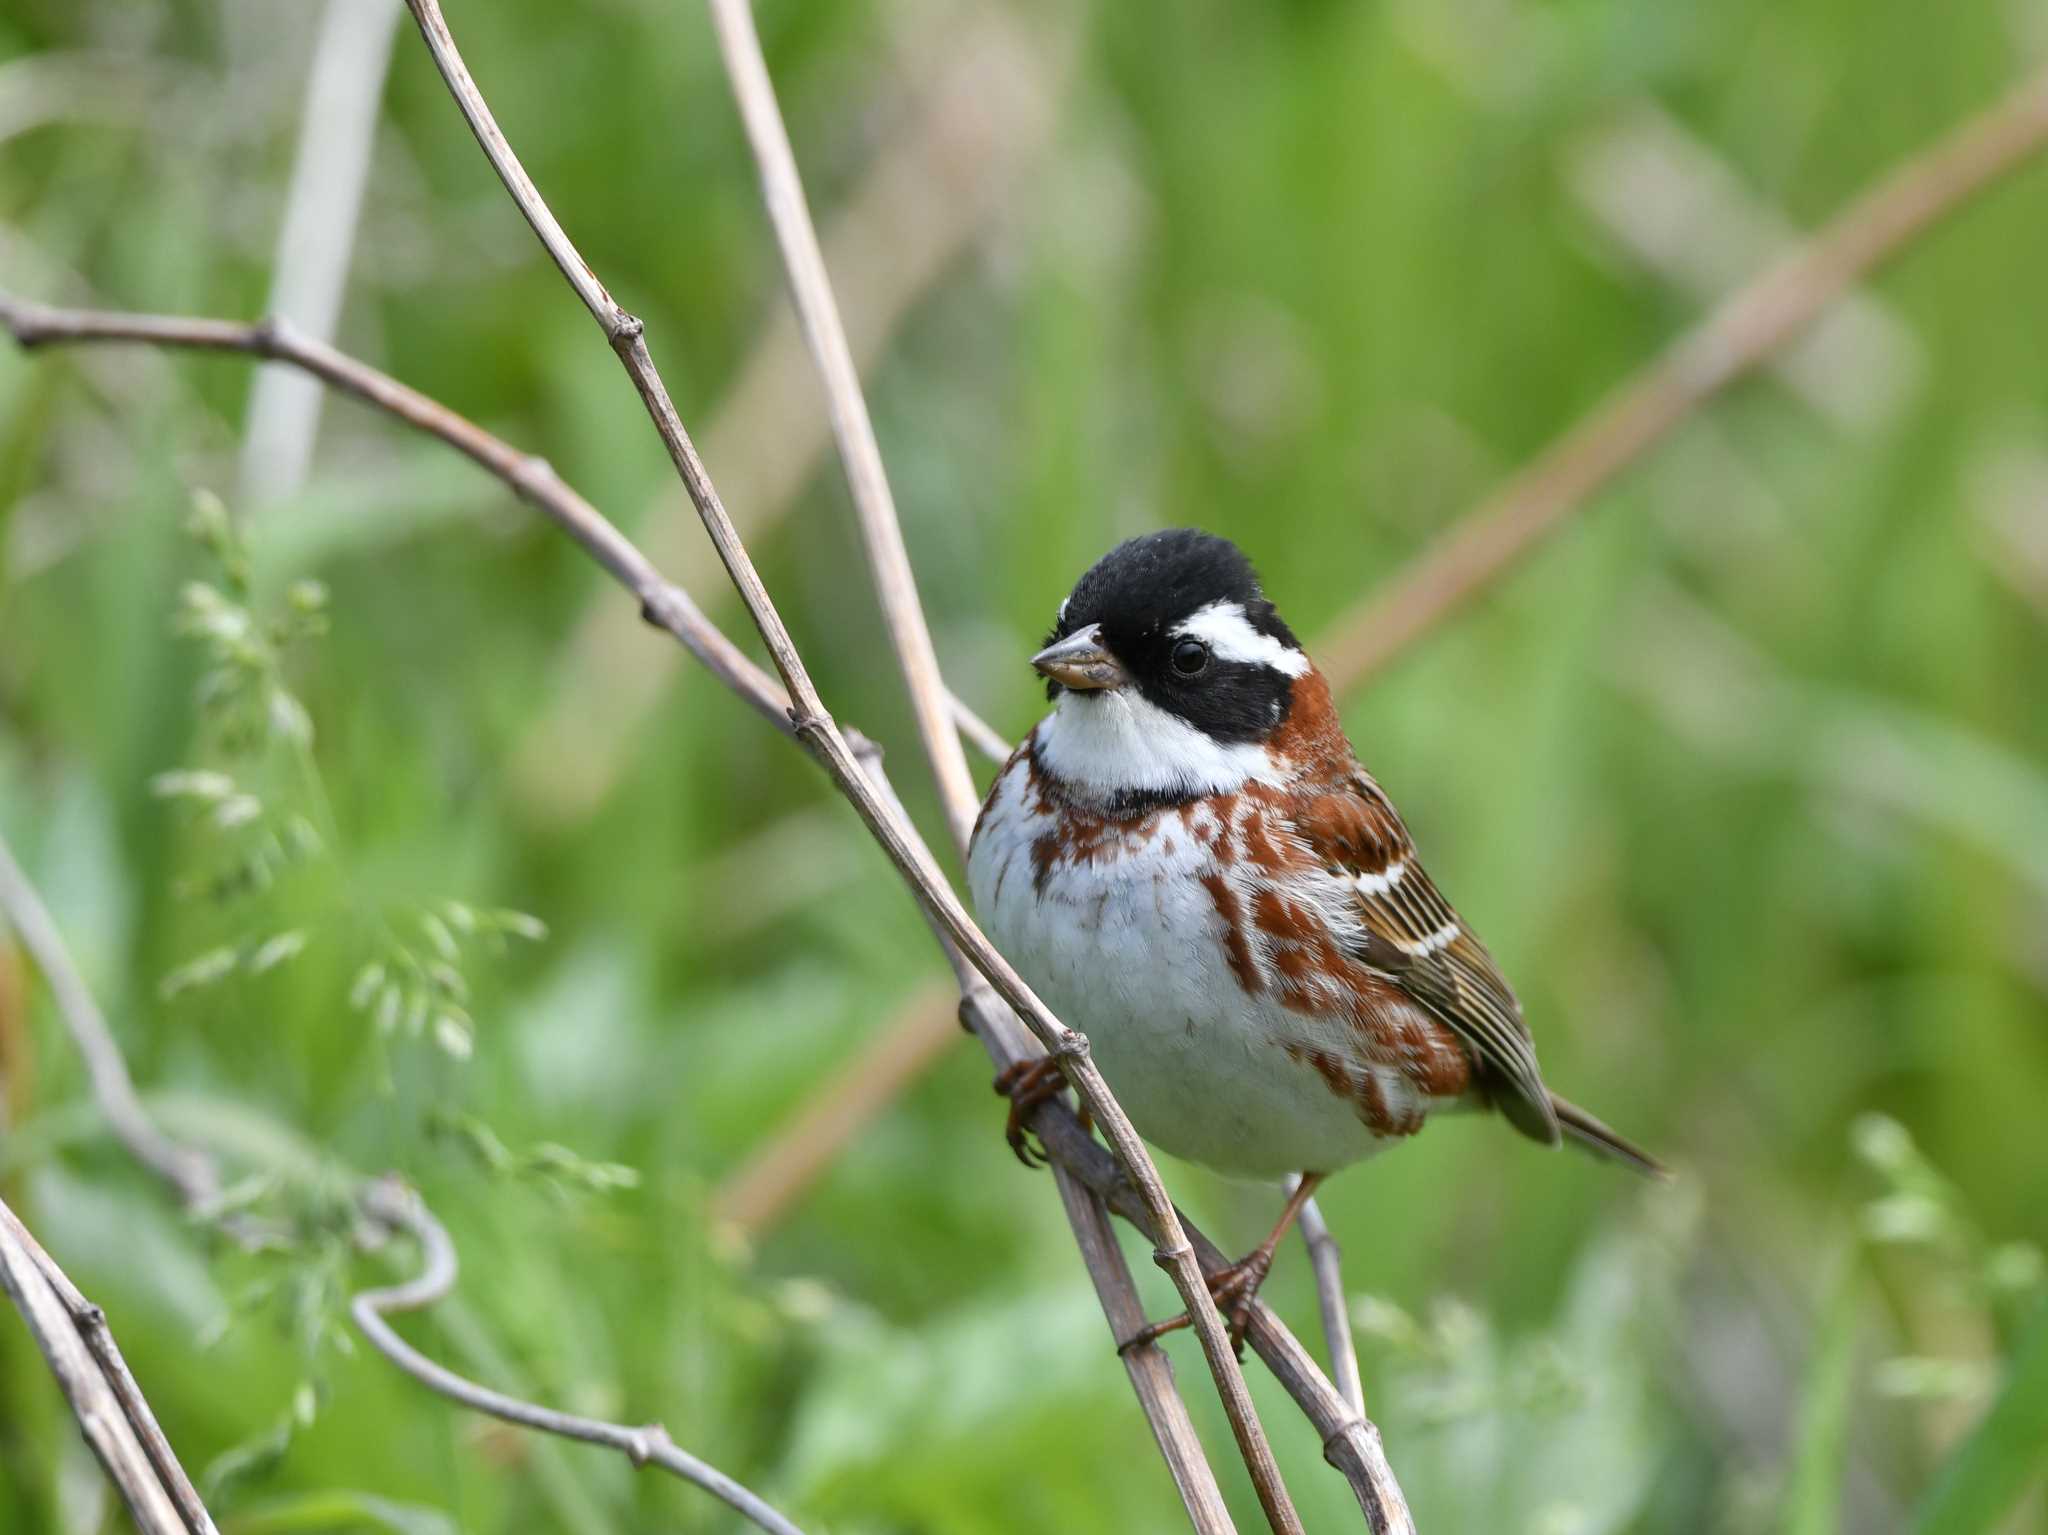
{"points": [[1189, 657]]}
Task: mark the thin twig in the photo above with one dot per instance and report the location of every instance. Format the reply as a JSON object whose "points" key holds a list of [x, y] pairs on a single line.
{"points": [[90, 1323], [936, 183], [804, 264], [820, 734], [1008, 1042], [533, 479], [1326, 1259], [190, 1173], [1350, 1441], [1749, 328], [896, 592], [1150, 1371], [978, 732], [393, 1204], [101, 1419]]}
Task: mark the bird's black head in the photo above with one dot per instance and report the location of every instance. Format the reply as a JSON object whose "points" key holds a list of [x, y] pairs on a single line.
{"points": [[1178, 617]]}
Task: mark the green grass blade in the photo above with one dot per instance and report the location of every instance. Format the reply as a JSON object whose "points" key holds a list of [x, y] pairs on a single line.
{"points": [[2004, 1453], [1813, 1500]]}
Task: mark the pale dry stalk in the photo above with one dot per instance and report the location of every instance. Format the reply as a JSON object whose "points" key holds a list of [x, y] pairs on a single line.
{"points": [[112, 1414], [821, 735]]}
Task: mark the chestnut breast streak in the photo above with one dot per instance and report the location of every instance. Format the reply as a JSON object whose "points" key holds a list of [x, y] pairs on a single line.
{"points": [[1075, 836], [1361, 1087]]}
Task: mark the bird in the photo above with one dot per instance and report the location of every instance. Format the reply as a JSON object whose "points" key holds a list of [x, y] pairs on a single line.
{"points": [[1186, 860]]}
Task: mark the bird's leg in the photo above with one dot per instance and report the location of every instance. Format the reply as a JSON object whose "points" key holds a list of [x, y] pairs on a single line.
{"points": [[1235, 1288], [1027, 1084]]}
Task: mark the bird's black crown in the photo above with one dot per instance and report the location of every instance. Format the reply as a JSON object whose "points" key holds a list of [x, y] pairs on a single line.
{"points": [[1157, 579], [1143, 588]]}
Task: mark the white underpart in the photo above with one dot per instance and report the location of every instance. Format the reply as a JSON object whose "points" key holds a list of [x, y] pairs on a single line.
{"points": [[1385, 880], [1127, 944], [1223, 627], [1107, 741]]}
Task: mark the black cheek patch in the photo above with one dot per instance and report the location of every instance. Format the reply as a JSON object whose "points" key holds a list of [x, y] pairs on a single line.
{"points": [[1233, 702]]}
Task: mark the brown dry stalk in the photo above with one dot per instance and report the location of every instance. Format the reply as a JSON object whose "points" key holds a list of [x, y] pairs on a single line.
{"points": [[1750, 327]]}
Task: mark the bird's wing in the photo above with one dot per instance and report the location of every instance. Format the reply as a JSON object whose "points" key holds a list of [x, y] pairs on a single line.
{"points": [[1409, 933]]}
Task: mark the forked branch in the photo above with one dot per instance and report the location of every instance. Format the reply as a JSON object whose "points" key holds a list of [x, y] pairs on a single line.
{"points": [[821, 735]]}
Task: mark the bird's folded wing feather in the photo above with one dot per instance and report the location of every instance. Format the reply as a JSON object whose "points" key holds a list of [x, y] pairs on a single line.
{"points": [[1410, 934]]}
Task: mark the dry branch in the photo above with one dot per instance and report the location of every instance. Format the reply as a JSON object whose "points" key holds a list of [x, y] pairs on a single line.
{"points": [[937, 183], [1748, 329], [979, 733], [666, 606], [112, 1415], [821, 736], [190, 1173], [853, 429], [1327, 1261], [910, 635], [1350, 1441]]}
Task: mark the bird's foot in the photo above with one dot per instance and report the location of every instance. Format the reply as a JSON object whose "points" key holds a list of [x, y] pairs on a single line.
{"points": [[1027, 1084], [1233, 1289]]}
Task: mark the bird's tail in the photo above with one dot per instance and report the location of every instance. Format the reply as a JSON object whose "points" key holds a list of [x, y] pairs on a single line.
{"points": [[1585, 1130]]}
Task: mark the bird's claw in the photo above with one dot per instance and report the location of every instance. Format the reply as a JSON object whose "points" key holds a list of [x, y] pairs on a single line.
{"points": [[1233, 1289], [1027, 1084]]}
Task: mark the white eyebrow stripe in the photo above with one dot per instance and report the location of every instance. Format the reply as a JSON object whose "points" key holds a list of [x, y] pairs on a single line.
{"points": [[1385, 880], [1063, 609], [1223, 627]]}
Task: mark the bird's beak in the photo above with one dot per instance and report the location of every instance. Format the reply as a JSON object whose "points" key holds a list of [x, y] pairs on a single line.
{"points": [[1081, 662]]}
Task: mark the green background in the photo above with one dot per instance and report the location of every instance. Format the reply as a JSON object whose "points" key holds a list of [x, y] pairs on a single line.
{"points": [[1744, 776]]}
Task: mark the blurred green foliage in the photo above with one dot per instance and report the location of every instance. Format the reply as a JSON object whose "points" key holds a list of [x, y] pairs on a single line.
{"points": [[1745, 776]]}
